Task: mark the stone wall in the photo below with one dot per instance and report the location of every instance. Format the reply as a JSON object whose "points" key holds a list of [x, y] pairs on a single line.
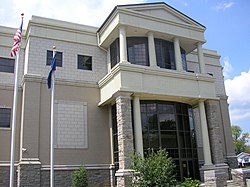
{"points": [[63, 178], [29, 175], [5, 176], [213, 121], [125, 139]]}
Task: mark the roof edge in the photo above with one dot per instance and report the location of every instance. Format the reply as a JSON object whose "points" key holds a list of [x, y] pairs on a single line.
{"points": [[142, 4]]}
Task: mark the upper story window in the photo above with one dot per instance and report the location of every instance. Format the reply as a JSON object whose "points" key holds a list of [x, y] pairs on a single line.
{"points": [[114, 53], [138, 50], [59, 58], [183, 59], [165, 55], [5, 117], [7, 65], [84, 62]]}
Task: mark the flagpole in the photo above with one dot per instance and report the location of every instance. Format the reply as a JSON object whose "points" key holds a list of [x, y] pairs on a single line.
{"points": [[13, 125], [52, 125]]}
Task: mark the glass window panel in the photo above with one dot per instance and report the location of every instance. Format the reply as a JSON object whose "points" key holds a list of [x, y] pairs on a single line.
{"points": [[152, 122], [154, 139], [168, 139], [184, 109], [84, 62], [163, 132], [58, 58], [143, 108], [5, 117], [180, 122], [144, 121], [186, 123], [151, 108], [167, 121], [138, 51], [145, 140], [114, 53], [178, 108], [7, 65], [165, 54], [183, 59], [182, 139], [187, 140]]}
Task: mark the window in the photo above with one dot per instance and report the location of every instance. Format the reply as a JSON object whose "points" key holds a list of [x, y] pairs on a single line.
{"points": [[7, 65], [114, 53], [5, 116], [115, 136], [165, 56], [138, 50], [58, 58], [183, 59], [84, 62], [170, 125]]}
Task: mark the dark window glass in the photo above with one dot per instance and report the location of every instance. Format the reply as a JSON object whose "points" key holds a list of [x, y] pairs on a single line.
{"points": [[165, 54], [138, 50], [84, 62], [115, 136], [7, 65], [5, 116], [183, 59], [58, 58], [169, 125], [114, 53], [169, 139]]}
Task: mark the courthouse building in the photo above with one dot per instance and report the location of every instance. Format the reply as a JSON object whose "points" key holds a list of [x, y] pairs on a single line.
{"points": [[141, 80]]}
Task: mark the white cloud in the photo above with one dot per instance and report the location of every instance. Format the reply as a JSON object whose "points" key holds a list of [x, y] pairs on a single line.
{"points": [[227, 69], [223, 6], [92, 12], [238, 90]]}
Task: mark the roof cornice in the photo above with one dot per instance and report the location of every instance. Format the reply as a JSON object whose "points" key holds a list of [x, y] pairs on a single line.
{"points": [[144, 5]]}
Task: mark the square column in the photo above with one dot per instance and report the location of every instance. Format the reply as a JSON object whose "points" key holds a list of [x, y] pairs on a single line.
{"points": [[125, 139], [200, 58], [123, 44], [151, 50], [137, 126], [177, 52]]}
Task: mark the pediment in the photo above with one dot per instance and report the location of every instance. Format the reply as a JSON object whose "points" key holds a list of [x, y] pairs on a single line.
{"points": [[164, 12]]}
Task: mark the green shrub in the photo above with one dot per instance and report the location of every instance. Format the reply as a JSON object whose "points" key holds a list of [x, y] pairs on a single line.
{"points": [[188, 182], [79, 178], [156, 170]]}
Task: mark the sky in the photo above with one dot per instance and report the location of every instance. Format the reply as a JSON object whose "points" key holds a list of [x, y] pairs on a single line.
{"points": [[227, 23]]}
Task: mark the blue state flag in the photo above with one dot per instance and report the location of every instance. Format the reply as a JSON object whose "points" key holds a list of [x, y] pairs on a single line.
{"points": [[52, 69]]}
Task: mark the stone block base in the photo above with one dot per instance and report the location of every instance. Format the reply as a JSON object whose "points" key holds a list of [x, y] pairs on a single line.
{"points": [[28, 175], [124, 177], [216, 177], [5, 176], [232, 162], [239, 176], [63, 178]]}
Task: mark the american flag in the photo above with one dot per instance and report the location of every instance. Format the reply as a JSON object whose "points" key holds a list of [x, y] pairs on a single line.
{"points": [[17, 41]]}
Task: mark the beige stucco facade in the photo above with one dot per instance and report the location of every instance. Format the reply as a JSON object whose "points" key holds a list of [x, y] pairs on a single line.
{"points": [[83, 98]]}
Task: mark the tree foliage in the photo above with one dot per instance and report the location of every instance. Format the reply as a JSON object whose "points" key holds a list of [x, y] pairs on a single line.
{"points": [[240, 139], [79, 178], [156, 170], [188, 182]]}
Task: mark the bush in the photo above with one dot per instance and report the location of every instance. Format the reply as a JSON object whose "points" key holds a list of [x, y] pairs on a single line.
{"points": [[188, 182], [156, 170], [79, 178]]}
